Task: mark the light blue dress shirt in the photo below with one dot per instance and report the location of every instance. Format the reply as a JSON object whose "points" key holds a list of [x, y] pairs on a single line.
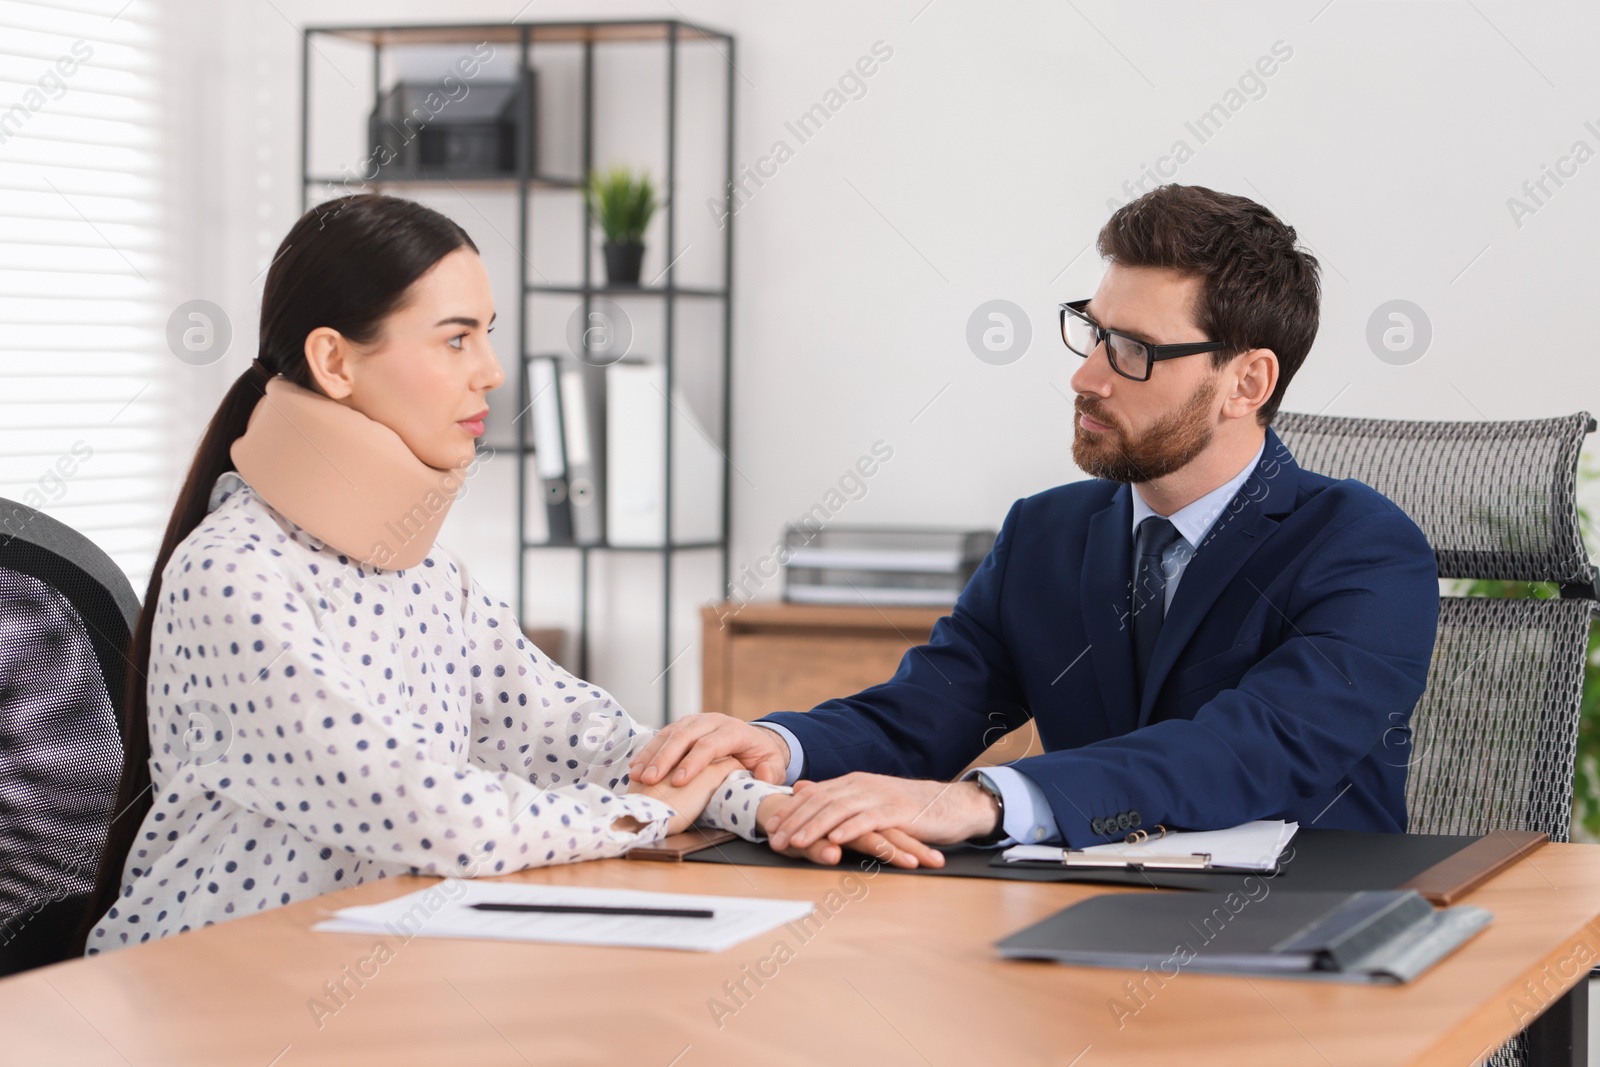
{"points": [[1028, 817], [797, 758]]}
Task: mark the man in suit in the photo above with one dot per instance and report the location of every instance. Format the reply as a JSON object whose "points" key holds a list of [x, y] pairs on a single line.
{"points": [[1203, 632]]}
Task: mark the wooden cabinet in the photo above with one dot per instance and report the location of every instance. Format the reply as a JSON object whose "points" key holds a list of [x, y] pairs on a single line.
{"points": [[791, 657]]}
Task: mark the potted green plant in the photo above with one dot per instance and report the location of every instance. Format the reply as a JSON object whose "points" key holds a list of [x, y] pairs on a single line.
{"points": [[622, 202]]}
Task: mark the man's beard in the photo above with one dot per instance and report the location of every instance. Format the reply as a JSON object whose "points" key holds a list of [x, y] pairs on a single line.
{"points": [[1174, 440]]}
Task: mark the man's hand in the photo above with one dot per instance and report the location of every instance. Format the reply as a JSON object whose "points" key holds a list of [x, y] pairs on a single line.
{"points": [[894, 847], [847, 808], [691, 743]]}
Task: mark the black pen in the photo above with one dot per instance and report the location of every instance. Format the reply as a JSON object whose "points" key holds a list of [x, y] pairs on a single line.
{"points": [[600, 909]]}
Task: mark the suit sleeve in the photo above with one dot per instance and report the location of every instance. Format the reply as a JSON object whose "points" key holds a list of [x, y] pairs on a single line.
{"points": [[948, 701], [1360, 619]]}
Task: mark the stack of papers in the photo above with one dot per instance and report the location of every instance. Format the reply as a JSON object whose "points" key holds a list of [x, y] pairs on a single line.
{"points": [[445, 910], [1253, 846]]}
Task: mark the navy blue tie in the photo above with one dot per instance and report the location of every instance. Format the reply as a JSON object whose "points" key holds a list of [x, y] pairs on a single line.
{"points": [[1149, 592]]}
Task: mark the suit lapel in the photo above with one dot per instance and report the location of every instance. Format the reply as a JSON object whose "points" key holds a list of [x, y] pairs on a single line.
{"points": [[1107, 588], [1245, 522]]}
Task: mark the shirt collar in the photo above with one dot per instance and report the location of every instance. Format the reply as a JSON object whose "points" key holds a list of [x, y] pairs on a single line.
{"points": [[1195, 519]]}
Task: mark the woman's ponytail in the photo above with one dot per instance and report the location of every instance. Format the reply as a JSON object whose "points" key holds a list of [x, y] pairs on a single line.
{"points": [[211, 461]]}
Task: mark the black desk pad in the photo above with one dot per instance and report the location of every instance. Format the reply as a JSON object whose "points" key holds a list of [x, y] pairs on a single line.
{"points": [[1315, 860]]}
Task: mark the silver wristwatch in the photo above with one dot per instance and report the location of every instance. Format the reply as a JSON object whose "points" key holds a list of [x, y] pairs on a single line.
{"points": [[986, 784]]}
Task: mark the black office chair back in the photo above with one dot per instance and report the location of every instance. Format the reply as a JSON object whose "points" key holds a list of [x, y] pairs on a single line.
{"points": [[1493, 741], [66, 612]]}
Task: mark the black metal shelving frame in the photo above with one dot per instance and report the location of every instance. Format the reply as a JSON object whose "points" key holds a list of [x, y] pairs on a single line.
{"points": [[673, 34]]}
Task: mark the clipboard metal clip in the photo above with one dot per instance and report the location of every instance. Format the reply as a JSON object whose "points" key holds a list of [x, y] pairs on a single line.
{"points": [[1194, 861]]}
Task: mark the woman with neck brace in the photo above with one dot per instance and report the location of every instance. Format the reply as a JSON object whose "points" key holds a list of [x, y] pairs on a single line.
{"points": [[327, 695]]}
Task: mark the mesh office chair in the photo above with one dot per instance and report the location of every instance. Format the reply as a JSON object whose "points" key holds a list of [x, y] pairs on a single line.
{"points": [[1493, 741], [66, 612]]}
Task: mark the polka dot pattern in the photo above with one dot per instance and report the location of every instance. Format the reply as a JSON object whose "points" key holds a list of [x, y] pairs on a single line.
{"points": [[377, 723]]}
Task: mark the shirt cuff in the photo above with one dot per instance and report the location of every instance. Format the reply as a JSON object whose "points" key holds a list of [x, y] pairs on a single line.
{"points": [[653, 813], [1028, 818], [737, 802], [797, 756]]}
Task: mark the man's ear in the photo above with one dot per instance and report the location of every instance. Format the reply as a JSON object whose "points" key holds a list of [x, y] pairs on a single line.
{"points": [[1254, 375], [328, 354]]}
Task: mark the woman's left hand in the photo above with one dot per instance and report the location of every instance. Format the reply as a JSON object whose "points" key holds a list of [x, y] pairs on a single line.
{"points": [[690, 799]]}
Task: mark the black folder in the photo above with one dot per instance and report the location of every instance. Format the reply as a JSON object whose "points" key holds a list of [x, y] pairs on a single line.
{"points": [[1443, 867], [1383, 936]]}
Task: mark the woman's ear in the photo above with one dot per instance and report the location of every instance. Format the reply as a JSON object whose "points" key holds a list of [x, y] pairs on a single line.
{"points": [[328, 355]]}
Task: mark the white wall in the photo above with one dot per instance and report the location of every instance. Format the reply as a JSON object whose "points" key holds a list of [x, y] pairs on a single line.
{"points": [[978, 165]]}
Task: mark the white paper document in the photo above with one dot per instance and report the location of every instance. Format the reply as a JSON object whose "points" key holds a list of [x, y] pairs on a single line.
{"points": [[445, 910], [1253, 846]]}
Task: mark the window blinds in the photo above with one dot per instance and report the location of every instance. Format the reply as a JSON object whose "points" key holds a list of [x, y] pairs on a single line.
{"points": [[83, 353]]}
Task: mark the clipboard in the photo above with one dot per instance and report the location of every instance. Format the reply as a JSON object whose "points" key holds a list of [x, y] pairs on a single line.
{"points": [[1251, 848]]}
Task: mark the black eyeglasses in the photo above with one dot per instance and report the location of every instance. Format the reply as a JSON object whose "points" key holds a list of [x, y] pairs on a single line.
{"points": [[1129, 356]]}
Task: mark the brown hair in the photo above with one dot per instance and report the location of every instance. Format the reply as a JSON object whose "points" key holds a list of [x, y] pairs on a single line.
{"points": [[1258, 290], [347, 263]]}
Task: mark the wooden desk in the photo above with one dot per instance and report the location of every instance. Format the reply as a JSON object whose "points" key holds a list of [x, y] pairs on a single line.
{"points": [[767, 657], [901, 972]]}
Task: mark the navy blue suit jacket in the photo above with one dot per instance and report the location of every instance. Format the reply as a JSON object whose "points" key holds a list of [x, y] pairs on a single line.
{"points": [[1296, 645]]}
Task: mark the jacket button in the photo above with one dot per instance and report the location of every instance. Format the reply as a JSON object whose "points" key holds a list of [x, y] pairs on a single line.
{"points": [[1099, 827], [1135, 817], [1124, 821]]}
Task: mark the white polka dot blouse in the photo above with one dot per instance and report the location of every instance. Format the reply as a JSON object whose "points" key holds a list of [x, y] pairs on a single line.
{"points": [[316, 722]]}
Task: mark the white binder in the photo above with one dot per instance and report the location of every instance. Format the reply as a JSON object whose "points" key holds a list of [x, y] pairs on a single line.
{"points": [[636, 467]]}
